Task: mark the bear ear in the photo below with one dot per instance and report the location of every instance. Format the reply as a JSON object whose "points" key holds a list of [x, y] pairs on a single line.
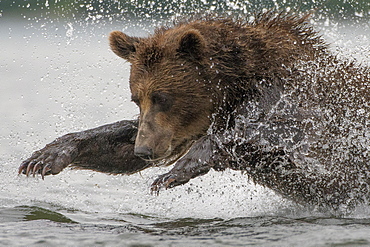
{"points": [[192, 43], [123, 45]]}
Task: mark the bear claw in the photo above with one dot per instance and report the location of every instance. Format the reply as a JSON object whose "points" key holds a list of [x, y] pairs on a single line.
{"points": [[165, 181], [33, 167], [36, 168], [45, 171]]}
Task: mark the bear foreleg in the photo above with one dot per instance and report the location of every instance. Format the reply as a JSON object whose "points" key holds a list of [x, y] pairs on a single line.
{"points": [[108, 148], [197, 162]]}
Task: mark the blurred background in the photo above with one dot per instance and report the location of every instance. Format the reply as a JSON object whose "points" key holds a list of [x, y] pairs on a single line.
{"points": [[152, 10]]}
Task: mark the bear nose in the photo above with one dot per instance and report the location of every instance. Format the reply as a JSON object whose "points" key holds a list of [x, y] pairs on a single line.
{"points": [[143, 152]]}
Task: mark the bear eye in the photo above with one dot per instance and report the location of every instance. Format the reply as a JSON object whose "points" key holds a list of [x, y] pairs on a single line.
{"points": [[162, 100]]}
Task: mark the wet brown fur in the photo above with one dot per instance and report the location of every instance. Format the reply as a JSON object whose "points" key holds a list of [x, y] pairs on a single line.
{"points": [[209, 66]]}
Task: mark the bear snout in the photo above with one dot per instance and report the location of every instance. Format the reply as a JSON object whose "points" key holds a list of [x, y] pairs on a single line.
{"points": [[144, 152]]}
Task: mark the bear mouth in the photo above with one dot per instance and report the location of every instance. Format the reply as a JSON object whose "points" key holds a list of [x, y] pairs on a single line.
{"points": [[167, 155], [172, 155]]}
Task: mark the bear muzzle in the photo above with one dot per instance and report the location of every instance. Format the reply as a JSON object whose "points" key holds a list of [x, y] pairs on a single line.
{"points": [[153, 144], [144, 152]]}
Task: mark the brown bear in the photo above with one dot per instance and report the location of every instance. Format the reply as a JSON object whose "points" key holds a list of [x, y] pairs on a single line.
{"points": [[266, 97]]}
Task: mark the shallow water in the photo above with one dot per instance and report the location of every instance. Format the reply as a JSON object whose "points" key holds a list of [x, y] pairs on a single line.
{"points": [[35, 225], [63, 78]]}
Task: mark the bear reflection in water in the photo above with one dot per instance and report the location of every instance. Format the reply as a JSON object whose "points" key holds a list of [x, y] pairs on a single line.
{"points": [[266, 97]]}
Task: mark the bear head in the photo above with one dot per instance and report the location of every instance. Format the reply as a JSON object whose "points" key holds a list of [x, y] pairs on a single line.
{"points": [[167, 84]]}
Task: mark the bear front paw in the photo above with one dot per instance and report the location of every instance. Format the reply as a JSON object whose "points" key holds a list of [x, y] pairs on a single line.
{"points": [[52, 159], [166, 181], [34, 165]]}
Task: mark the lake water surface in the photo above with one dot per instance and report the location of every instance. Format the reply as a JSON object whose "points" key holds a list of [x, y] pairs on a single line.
{"points": [[61, 78]]}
